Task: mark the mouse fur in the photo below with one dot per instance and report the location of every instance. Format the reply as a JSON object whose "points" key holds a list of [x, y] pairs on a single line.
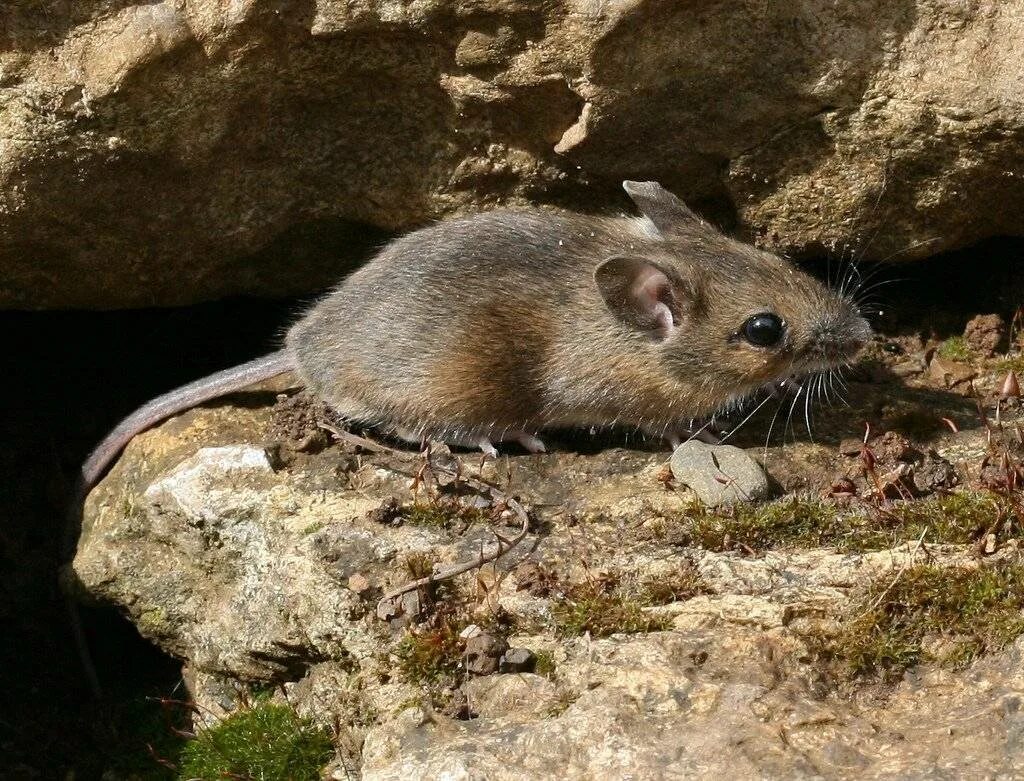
{"points": [[495, 326]]}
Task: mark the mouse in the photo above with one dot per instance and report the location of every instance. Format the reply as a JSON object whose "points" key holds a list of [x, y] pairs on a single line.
{"points": [[494, 327]]}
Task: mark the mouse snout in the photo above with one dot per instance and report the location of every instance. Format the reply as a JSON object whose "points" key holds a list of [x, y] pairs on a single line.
{"points": [[839, 338]]}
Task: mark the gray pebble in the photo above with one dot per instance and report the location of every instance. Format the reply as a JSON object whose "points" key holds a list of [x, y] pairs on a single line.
{"points": [[719, 474], [517, 660]]}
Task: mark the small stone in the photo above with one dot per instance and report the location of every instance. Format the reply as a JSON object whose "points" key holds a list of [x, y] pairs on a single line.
{"points": [[402, 610], [484, 652], [892, 446], [479, 49], [719, 474], [389, 513], [533, 578], [984, 334], [470, 631], [850, 446], [359, 583], [990, 543], [950, 373], [934, 473], [517, 660], [842, 486]]}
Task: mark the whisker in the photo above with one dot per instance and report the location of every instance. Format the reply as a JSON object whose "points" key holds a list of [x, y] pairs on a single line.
{"points": [[789, 417], [771, 426], [748, 417]]}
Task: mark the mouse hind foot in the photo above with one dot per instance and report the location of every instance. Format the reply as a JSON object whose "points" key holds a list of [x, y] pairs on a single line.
{"points": [[472, 440]]}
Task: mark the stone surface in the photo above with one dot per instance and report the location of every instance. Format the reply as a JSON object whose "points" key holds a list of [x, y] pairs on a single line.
{"points": [[517, 660], [951, 373], [985, 334], [719, 474], [200, 148], [732, 703], [248, 568]]}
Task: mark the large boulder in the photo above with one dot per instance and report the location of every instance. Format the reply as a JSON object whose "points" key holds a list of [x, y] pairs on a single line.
{"points": [[168, 152], [239, 541]]}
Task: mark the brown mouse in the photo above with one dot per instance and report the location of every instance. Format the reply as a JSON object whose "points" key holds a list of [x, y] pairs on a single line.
{"points": [[490, 328]]}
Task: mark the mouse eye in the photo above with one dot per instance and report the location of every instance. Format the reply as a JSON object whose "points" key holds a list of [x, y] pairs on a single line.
{"points": [[763, 330]]}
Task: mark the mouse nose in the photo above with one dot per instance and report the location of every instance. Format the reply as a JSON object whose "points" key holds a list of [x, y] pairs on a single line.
{"points": [[840, 337], [858, 334]]}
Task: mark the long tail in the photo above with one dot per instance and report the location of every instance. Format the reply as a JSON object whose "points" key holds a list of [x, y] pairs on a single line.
{"points": [[178, 400], [153, 412]]}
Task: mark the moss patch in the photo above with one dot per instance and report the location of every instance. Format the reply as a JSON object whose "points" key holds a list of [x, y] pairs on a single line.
{"points": [[442, 514], [955, 349], [544, 664], [1011, 363], [606, 606], [957, 518], [432, 654], [265, 741], [946, 615]]}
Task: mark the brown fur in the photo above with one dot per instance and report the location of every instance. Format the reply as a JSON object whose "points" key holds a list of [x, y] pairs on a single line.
{"points": [[509, 322], [494, 323]]}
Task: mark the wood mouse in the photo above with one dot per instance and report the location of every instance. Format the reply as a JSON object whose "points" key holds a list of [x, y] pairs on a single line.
{"points": [[490, 328]]}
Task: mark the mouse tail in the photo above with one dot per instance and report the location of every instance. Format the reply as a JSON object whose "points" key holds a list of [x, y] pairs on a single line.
{"points": [[162, 407], [107, 451]]}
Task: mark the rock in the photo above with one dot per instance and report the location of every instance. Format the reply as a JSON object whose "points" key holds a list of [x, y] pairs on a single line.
{"points": [[985, 334], [719, 474], [950, 373], [851, 446], [359, 583], [694, 705], [534, 578], [246, 572], [934, 473], [484, 652], [207, 148], [517, 660], [892, 446]]}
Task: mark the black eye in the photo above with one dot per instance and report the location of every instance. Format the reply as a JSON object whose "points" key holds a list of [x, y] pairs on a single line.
{"points": [[763, 330]]}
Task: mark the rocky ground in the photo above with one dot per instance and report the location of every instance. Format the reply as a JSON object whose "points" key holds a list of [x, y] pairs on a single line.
{"points": [[864, 624]]}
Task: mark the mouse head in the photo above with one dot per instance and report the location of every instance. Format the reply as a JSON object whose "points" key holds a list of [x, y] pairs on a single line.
{"points": [[731, 316]]}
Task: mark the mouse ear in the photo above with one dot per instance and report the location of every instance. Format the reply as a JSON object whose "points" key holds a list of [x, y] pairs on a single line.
{"points": [[642, 294], [661, 207]]}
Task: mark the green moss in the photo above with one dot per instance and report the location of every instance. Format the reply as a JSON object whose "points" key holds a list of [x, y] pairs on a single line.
{"points": [[603, 608], [1011, 363], [442, 514], [760, 526], [957, 518], [429, 655], [266, 741], [153, 621], [544, 664], [928, 613], [955, 348]]}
